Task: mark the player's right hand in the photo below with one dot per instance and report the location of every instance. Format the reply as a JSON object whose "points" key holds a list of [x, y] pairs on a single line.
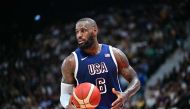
{"points": [[120, 101], [70, 107]]}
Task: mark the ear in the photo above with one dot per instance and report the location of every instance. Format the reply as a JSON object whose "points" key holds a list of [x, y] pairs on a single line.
{"points": [[95, 30]]}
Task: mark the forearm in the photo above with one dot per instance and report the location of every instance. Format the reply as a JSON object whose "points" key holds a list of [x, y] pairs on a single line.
{"points": [[133, 87]]}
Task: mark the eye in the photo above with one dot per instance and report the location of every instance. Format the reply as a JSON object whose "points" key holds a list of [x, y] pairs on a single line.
{"points": [[83, 30]]}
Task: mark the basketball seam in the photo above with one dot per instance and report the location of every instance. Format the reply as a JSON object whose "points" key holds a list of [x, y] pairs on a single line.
{"points": [[79, 100], [89, 94], [83, 99], [86, 101]]}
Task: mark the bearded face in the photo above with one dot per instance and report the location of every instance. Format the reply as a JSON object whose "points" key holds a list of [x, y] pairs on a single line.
{"points": [[87, 43], [84, 35]]}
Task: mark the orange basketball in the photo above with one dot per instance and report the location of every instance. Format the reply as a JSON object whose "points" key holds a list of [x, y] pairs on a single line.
{"points": [[86, 96]]}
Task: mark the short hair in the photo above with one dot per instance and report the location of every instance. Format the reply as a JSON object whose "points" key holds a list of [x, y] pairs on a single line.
{"points": [[89, 20]]}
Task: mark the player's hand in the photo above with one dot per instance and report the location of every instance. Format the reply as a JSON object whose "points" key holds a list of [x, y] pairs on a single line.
{"points": [[70, 107], [120, 101]]}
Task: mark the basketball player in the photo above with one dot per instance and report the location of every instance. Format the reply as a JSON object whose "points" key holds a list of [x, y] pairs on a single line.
{"points": [[99, 64]]}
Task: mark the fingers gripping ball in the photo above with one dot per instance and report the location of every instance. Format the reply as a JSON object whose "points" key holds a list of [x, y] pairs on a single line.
{"points": [[86, 96]]}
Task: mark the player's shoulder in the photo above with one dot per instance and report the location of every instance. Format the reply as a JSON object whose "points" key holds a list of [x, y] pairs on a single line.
{"points": [[69, 60], [114, 49], [117, 51], [120, 57]]}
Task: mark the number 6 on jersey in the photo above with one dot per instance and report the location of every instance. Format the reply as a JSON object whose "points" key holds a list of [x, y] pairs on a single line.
{"points": [[101, 84]]}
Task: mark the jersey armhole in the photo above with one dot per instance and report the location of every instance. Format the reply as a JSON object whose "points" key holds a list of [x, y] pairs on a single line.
{"points": [[76, 67], [113, 57]]}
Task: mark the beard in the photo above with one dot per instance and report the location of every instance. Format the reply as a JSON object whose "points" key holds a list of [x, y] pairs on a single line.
{"points": [[90, 41]]}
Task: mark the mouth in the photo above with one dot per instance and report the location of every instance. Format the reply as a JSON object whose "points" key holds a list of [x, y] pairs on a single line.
{"points": [[81, 41]]}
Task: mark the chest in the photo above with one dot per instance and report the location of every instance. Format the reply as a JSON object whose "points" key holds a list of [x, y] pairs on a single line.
{"points": [[96, 66]]}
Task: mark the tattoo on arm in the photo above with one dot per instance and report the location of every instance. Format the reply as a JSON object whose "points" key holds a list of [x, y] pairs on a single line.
{"points": [[127, 72], [67, 70], [134, 85]]}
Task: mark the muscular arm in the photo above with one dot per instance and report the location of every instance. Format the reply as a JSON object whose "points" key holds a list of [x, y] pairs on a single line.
{"points": [[127, 72], [68, 81], [67, 70]]}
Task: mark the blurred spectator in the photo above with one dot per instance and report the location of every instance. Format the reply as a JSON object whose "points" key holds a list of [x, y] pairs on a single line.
{"points": [[30, 70], [172, 92]]}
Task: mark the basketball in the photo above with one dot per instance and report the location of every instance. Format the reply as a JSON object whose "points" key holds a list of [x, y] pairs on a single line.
{"points": [[86, 96]]}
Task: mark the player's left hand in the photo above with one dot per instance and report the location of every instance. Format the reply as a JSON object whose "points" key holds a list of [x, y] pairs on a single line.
{"points": [[120, 101]]}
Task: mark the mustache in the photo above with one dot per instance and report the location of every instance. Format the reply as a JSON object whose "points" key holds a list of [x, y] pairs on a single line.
{"points": [[87, 44]]}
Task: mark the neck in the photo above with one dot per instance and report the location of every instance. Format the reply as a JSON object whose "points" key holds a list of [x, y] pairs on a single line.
{"points": [[94, 49]]}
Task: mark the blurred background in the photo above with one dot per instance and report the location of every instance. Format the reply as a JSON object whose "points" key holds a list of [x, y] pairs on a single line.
{"points": [[36, 36]]}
